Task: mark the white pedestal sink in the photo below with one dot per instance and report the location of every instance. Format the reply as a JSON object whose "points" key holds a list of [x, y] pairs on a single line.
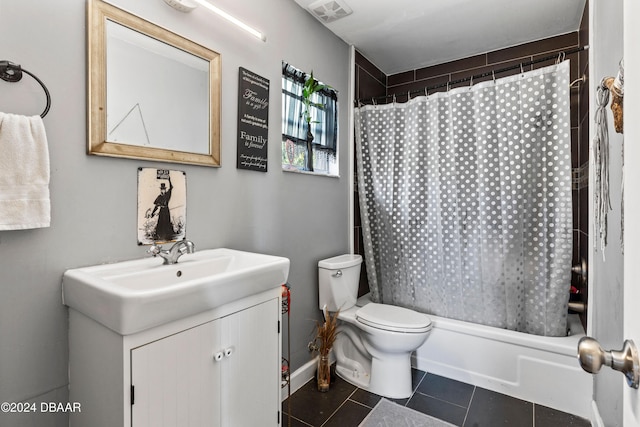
{"points": [[132, 296]]}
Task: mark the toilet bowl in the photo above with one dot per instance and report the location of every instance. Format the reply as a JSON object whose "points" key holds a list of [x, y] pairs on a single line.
{"points": [[375, 341]]}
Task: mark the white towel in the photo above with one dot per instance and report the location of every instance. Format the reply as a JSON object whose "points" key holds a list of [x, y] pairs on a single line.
{"points": [[24, 173]]}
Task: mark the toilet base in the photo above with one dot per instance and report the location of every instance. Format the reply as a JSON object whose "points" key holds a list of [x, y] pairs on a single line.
{"points": [[390, 378], [358, 379], [357, 362]]}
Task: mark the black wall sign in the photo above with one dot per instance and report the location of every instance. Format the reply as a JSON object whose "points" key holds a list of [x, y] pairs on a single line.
{"points": [[253, 121]]}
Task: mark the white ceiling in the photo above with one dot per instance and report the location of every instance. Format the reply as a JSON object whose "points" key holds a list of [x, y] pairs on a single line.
{"points": [[402, 35]]}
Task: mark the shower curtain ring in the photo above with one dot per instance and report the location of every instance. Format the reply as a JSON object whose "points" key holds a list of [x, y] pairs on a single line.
{"points": [[373, 101], [493, 74], [471, 81], [521, 68], [408, 95], [426, 91], [394, 98], [448, 85]]}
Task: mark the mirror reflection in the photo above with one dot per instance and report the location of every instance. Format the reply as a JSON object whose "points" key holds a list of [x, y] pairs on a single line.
{"points": [[137, 113]]}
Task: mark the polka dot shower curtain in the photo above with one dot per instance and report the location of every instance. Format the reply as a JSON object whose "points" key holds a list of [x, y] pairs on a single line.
{"points": [[465, 200]]}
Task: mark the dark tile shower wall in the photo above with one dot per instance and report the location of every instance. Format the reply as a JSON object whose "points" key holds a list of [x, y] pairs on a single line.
{"points": [[371, 82]]}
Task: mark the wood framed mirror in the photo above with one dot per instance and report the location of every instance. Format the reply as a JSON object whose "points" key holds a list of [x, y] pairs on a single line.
{"points": [[153, 94]]}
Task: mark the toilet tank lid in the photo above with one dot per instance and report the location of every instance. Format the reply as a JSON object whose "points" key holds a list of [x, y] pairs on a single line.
{"points": [[340, 261]]}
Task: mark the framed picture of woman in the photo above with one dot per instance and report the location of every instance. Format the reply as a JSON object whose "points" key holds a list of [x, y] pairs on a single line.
{"points": [[161, 206]]}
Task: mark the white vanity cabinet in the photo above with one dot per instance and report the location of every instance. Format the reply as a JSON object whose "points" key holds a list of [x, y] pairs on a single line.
{"points": [[217, 368]]}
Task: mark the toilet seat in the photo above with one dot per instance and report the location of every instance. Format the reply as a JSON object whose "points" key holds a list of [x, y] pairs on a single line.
{"points": [[393, 318]]}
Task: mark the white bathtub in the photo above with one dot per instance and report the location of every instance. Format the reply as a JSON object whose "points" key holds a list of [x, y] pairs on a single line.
{"points": [[538, 369]]}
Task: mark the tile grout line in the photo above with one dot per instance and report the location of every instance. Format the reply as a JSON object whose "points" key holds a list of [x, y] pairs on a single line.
{"points": [[442, 400], [297, 419], [340, 406], [360, 403], [415, 390], [473, 393], [533, 414]]}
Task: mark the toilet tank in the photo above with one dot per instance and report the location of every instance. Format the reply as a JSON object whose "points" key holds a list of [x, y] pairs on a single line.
{"points": [[338, 280]]}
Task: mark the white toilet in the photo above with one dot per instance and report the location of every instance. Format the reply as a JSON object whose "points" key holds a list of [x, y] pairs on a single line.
{"points": [[375, 341]]}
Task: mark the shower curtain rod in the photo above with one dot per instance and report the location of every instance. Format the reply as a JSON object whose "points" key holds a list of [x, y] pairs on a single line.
{"points": [[560, 56]]}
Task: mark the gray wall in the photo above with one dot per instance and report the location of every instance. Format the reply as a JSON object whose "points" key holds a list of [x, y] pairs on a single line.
{"points": [[304, 218], [606, 279]]}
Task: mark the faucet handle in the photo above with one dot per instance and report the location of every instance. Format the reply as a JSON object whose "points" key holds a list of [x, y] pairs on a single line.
{"points": [[184, 246], [154, 250]]}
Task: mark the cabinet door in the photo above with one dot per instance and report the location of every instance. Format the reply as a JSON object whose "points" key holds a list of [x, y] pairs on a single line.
{"points": [[251, 373], [223, 373], [177, 381]]}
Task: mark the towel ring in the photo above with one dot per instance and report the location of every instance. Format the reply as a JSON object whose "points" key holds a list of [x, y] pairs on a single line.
{"points": [[10, 72]]}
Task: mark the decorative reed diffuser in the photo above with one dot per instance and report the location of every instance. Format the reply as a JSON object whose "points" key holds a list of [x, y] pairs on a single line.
{"points": [[325, 336]]}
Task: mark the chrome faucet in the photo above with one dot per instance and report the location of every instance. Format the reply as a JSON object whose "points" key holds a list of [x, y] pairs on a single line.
{"points": [[176, 251]]}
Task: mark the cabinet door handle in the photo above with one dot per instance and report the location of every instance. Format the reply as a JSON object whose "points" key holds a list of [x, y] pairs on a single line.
{"points": [[218, 356], [228, 351]]}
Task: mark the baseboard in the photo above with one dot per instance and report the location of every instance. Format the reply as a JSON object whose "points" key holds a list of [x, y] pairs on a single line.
{"points": [[596, 419], [300, 377]]}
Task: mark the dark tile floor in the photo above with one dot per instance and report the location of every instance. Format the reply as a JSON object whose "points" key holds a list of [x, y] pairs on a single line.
{"points": [[455, 402]]}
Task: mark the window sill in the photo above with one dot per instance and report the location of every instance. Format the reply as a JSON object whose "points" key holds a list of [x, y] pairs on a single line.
{"points": [[293, 169]]}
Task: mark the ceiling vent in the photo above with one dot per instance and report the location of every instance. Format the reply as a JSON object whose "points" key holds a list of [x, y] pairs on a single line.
{"points": [[329, 10]]}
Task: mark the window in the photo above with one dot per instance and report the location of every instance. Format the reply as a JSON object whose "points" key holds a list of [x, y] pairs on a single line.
{"points": [[324, 125]]}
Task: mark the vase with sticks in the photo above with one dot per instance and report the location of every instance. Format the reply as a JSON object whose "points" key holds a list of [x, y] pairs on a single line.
{"points": [[326, 333]]}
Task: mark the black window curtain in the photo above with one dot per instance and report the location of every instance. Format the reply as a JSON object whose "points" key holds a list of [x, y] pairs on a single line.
{"points": [[324, 124]]}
